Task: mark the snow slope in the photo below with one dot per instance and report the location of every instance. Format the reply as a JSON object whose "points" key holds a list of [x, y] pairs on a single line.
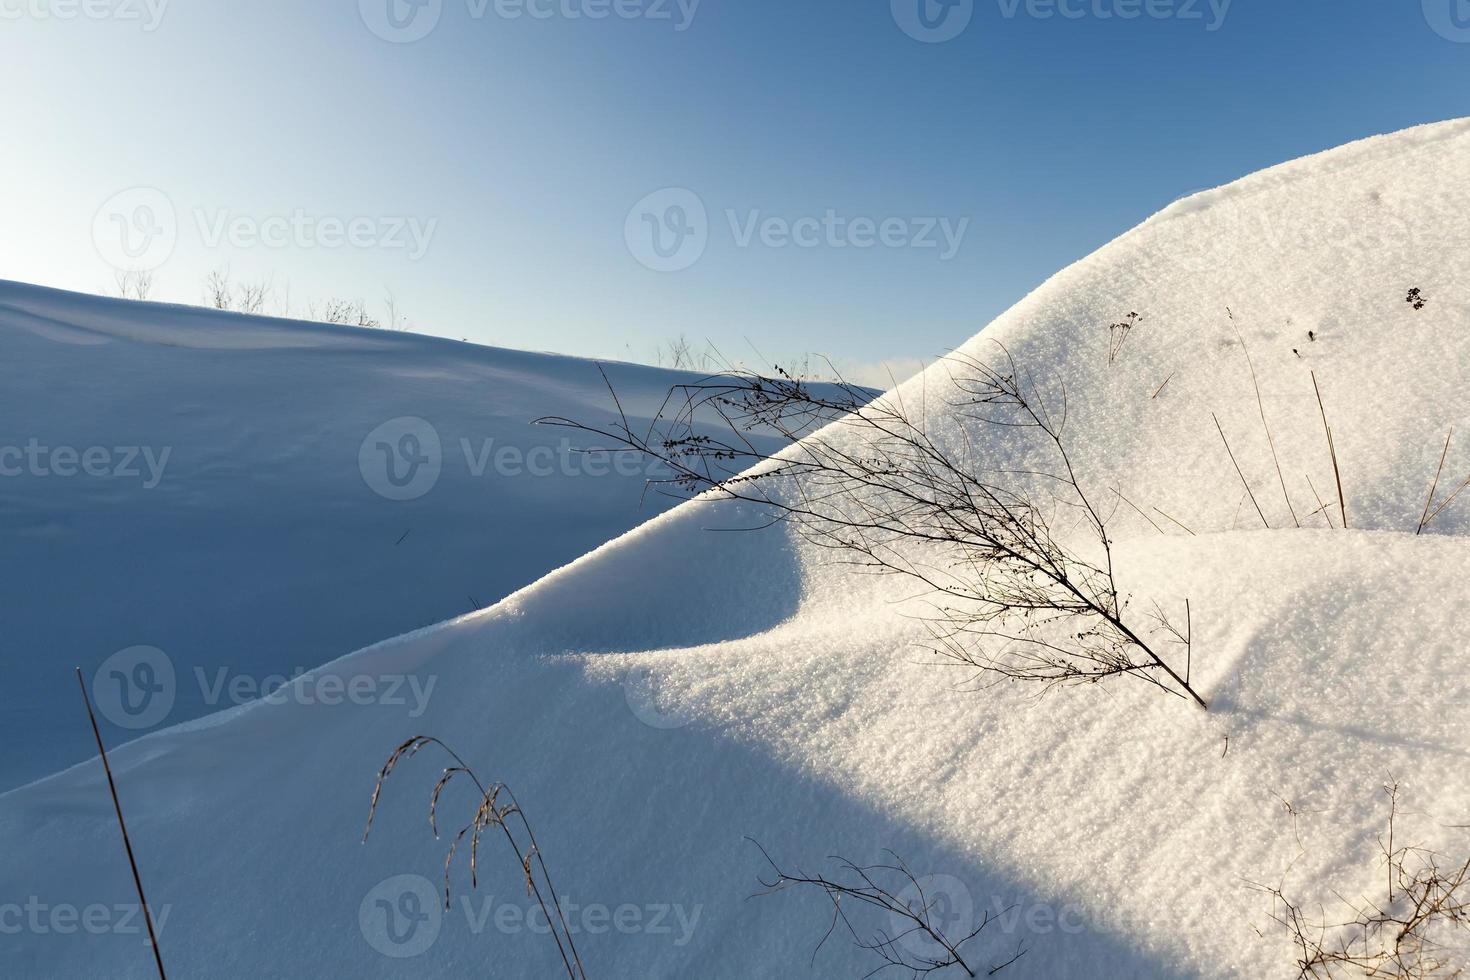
{"points": [[244, 538], [676, 690]]}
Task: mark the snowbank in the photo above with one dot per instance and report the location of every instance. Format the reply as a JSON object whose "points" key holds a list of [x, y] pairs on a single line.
{"points": [[677, 690], [213, 487]]}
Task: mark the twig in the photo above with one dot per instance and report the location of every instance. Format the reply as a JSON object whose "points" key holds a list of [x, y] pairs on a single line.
{"points": [[1398, 935], [1243, 480], [892, 499], [1448, 500], [1428, 517], [1137, 511], [1321, 507], [1261, 406], [1424, 518], [904, 900], [1331, 448], [1186, 527], [1188, 641], [122, 825]]}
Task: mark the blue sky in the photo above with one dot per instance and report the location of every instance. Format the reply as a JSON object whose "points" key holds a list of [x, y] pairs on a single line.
{"points": [[825, 175]]}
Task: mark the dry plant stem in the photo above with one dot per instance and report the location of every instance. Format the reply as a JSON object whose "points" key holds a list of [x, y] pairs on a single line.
{"points": [[1175, 522], [1424, 518], [1331, 449], [1321, 507], [1244, 482], [1003, 581], [1447, 501], [1140, 513], [1261, 406], [1429, 516], [489, 813], [866, 887], [122, 825], [1397, 935]]}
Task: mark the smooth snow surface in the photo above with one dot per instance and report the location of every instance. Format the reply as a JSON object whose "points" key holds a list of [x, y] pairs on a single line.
{"points": [[228, 521], [678, 690]]}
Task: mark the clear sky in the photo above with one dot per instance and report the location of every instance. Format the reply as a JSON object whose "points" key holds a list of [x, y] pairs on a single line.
{"points": [[870, 179]]}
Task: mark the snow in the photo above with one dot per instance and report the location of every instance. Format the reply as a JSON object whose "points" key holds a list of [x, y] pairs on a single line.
{"points": [[244, 539], [677, 690]]}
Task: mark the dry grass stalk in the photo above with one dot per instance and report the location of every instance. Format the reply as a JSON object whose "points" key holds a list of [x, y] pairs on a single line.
{"points": [[1428, 517], [1321, 507], [1244, 482], [123, 826], [510, 819], [1261, 405], [1174, 521], [1434, 486], [1332, 450]]}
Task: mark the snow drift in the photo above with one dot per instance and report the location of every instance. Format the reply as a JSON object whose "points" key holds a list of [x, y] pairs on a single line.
{"points": [[213, 487], [678, 690]]}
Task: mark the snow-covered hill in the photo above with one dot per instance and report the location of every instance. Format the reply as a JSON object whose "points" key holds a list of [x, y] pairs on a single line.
{"points": [[675, 691], [215, 487]]}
